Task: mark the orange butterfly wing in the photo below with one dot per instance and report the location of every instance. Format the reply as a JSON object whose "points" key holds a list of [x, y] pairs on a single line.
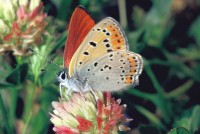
{"points": [[80, 24]]}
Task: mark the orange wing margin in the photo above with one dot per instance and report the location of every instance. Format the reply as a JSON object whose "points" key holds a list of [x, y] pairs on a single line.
{"points": [[80, 24]]}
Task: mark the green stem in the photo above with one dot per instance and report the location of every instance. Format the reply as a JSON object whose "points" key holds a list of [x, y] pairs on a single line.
{"points": [[150, 116], [146, 96], [180, 90], [60, 42], [19, 60], [27, 123], [13, 94], [29, 102], [122, 13], [159, 62], [5, 117], [155, 82]]}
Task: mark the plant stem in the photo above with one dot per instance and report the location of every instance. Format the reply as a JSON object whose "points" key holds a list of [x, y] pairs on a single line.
{"points": [[5, 117], [27, 123], [150, 116], [154, 80], [13, 94], [159, 62], [31, 89], [122, 13], [180, 90], [146, 96]]}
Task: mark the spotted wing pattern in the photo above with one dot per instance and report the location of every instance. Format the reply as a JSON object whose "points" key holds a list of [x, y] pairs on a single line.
{"points": [[104, 37], [112, 72], [80, 24]]}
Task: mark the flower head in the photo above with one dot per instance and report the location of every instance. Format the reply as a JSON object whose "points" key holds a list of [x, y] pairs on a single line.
{"points": [[20, 25], [83, 114]]}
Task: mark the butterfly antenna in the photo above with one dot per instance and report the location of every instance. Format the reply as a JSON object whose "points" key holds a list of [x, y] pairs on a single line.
{"points": [[51, 61], [43, 70]]}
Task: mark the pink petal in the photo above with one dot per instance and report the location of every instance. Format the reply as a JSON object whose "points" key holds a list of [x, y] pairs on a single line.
{"points": [[21, 13], [64, 130], [107, 110], [36, 11], [56, 104], [99, 122], [107, 98], [110, 124], [8, 37], [99, 107], [84, 124]]}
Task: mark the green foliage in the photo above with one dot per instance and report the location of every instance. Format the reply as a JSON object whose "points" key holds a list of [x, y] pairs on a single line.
{"points": [[190, 119], [18, 75], [179, 130], [167, 39], [148, 129]]}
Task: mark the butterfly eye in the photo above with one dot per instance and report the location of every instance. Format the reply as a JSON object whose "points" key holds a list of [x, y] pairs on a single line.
{"points": [[63, 75]]}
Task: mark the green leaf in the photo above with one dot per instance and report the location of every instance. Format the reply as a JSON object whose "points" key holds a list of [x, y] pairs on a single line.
{"points": [[39, 122], [4, 85], [194, 30], [4, 117], [156, 21], [148, 129], [195, 120], [64, 9], [179, 130], [84, 2], [150, 116], [190, 119], [18, 75]]}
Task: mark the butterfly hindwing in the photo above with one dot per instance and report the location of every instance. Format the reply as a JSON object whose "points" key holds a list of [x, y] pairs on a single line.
{"points": [[105, 37], [80, 24], [112, 72]]}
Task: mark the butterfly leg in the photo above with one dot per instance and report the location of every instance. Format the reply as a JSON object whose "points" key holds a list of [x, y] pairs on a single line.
{"points": [[88, 87], [69, 91], [61, 84], [61, 90]]}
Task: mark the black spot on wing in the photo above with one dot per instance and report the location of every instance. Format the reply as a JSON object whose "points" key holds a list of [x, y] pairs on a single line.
{"points": [[106, 66], [107, 34], [86, 53], [106, 40], [109, 50], [93, 44], [107, 45], [95, 64]]}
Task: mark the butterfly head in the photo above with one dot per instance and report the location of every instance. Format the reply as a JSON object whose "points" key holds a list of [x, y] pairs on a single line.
{"points": [[62, 76]]}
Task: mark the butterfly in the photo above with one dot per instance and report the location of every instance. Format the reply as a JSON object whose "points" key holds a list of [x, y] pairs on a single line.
{"points": [[97, 56]]}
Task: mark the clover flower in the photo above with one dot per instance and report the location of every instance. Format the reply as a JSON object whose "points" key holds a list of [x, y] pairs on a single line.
{"points": [[83, 114], [21, 24]]}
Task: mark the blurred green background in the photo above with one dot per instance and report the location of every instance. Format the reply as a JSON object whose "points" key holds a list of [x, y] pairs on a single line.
{"points": [[165, 32]]}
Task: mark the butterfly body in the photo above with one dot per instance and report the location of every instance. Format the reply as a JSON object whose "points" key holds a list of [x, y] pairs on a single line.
{"points": [[102, 60], [72, 84]]}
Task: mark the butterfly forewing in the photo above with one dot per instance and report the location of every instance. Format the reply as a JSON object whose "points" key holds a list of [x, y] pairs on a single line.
{"points": [[104, 37], [80, 24], [112, 72]]}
